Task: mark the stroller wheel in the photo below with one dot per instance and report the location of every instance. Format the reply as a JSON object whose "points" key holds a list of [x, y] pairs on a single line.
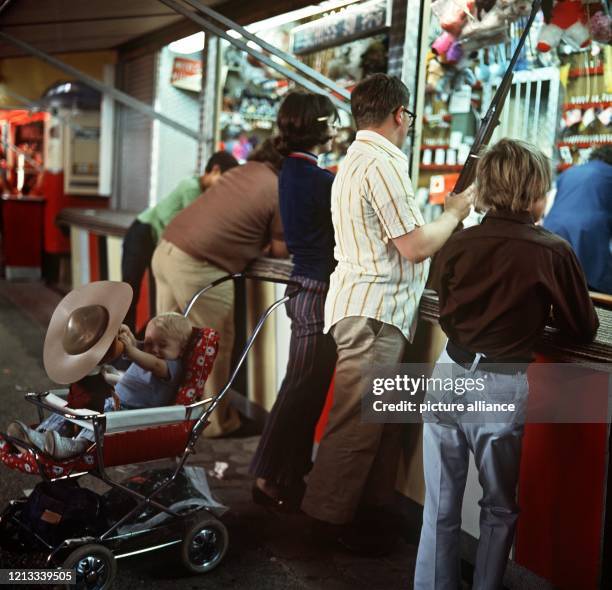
{"points": [[204, 545], [95, 567]]}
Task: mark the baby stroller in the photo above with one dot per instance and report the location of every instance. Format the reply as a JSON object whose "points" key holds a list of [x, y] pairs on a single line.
{"points": [[142, 514]]}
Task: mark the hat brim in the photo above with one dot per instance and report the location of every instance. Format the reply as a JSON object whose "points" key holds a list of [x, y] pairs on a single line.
{"points": [[64, 368]]}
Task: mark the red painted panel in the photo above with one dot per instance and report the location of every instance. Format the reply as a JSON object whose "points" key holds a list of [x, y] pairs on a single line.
{"points": [[561, 497], [143, 311], [22, 231], [322, 423], [94, 257], [56, 240]]}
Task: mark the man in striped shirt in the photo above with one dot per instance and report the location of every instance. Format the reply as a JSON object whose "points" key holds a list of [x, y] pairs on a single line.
{"points": [[382, 247]]}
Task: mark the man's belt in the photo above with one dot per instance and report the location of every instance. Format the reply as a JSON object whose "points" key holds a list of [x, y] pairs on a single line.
{"points": [[466, 359]]}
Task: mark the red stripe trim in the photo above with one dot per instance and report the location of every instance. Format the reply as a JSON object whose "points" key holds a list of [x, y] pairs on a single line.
{"points": [[304, 156], [94, 258]]}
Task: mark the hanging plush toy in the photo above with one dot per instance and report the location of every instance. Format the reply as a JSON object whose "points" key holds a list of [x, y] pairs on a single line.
{"points": [[452, 14], [601, 27], [447, 49], [568, 22], [491, 28], [514, 9]]}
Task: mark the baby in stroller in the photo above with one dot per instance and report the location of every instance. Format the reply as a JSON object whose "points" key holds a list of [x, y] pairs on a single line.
{"points": [[151, 380]]}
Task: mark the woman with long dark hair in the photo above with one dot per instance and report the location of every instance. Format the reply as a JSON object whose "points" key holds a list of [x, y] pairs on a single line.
{"points": [[306, 129]]}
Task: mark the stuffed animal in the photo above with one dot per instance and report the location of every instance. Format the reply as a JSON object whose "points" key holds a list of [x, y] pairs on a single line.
{"points": [[452, 14], [513, 9], [568, 22], [435, 72], [601, 27], [490, 28]]}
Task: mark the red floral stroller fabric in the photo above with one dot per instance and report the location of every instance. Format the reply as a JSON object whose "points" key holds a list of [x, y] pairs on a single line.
{"points": [[133, 445]]}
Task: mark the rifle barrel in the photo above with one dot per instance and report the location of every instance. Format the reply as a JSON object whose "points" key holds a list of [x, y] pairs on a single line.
{"points": [[491, 119]]}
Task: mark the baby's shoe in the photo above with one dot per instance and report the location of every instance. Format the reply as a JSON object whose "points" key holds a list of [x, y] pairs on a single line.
{"points": [[19, 430], [62, 447]]}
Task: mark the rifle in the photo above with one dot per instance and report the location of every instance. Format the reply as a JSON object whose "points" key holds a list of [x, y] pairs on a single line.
{"points": [[491, 119]]}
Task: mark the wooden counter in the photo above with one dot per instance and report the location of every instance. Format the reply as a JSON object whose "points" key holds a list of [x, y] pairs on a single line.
{"points": [[552, 343], [101, 222]]}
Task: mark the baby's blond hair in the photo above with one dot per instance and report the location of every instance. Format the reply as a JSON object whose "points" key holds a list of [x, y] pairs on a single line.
{"points": [[173, 325]]}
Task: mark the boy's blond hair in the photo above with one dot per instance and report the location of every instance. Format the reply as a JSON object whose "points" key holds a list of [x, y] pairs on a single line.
{"points": [[511, 175], [173, 325]]}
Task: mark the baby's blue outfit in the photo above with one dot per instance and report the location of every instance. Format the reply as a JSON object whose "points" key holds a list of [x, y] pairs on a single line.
{"points": [[137, 388], [141, 389]]}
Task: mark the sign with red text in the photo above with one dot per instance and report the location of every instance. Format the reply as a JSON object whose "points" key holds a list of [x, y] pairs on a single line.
{"points": [[187, 74]]}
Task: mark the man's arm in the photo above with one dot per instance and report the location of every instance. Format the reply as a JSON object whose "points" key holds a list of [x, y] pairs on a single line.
{"points": [[423, 242], [278, 249]]}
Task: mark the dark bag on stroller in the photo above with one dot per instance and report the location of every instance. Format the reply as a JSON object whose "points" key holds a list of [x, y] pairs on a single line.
{"points": [[61, 510]]}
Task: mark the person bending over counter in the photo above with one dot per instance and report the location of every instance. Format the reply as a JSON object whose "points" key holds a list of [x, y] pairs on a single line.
{"points": [[215, 236], [144, 233]]}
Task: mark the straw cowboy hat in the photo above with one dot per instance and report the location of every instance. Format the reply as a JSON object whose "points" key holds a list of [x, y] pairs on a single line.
{"points": [[83, 328]]}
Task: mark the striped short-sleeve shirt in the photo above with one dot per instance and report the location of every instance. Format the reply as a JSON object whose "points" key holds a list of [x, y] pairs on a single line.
{"points": [[373, 202]]}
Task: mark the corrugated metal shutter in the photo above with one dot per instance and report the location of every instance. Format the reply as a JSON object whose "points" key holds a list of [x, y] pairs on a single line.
{"points": [[135, 134]]}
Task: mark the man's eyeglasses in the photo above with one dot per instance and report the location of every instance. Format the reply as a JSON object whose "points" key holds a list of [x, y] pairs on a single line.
{"points": [[411, 115]]}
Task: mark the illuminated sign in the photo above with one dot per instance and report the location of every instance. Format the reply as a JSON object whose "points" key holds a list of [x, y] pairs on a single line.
{"points": [[354, 22]]}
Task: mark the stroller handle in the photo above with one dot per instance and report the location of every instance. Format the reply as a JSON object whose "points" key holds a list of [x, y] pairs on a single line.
{"points": [[295, 289], [243, 275]]}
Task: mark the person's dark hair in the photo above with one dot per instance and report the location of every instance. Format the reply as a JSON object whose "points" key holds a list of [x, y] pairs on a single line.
{"points": [[223, 159], [376, 97], [302, 121], [268, 153], [602, 153]]}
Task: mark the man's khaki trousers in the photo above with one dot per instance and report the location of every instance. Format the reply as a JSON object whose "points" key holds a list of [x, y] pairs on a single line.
{"points": [[178, 276], [356, 464]]}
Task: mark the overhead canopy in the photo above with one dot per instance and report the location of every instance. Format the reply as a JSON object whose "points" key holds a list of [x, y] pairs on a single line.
{"points": [[65, 26]]}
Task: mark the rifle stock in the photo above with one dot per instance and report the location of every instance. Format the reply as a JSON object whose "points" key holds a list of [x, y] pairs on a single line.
{"points": [[491, 119]]}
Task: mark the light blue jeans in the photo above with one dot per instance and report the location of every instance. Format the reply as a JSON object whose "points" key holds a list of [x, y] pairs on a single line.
{"points": [[56, 422], [495, 441]]}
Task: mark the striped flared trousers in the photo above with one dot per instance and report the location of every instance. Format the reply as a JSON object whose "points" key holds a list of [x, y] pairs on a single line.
{"points": [[284, 453]]}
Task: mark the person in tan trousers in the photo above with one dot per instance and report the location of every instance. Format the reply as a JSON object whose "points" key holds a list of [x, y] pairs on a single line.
{"points": [[220, 233], [382, 247]]}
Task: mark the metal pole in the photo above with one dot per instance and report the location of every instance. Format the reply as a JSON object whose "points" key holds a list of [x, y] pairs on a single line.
{"points": [[286, 57], [208, 100], [4, 4], [117, 95], [262, 57]]}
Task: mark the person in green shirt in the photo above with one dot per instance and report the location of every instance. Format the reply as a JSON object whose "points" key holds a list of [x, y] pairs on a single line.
{"points": [[144, 233]]}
